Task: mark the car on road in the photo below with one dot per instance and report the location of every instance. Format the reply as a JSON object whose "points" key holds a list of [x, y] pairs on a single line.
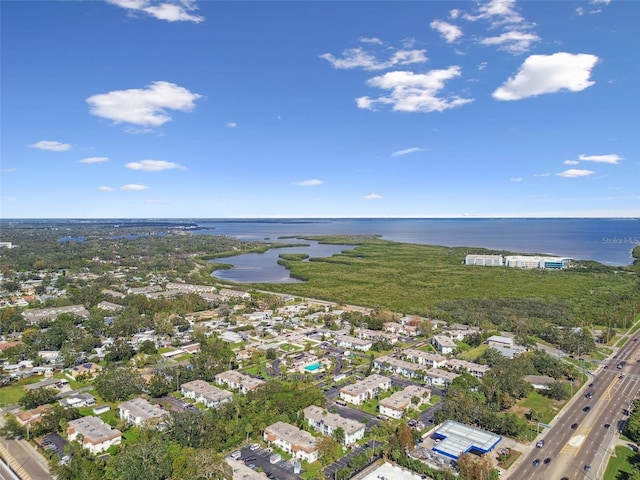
{"points": [[607, 425], [589, 395], [536, 462], [586, 409], [540, 444], [591, 385], [547, 461], [574, 426], [587, 467], [621, 375]]}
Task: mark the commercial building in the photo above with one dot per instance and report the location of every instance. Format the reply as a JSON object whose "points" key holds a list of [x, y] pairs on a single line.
{"points": [[484, 260], [326, 423], [458, 438]]}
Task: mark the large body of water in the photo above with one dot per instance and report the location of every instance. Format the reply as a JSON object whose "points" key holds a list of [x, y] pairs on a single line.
{"points": [[608, 241]]}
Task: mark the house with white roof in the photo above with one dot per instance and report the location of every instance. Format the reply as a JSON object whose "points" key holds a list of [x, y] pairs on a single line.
{"points": [[202, 392], [444, 344], [238, 381], [95, 435], [411, 397], [140, 411], [359, 392]]}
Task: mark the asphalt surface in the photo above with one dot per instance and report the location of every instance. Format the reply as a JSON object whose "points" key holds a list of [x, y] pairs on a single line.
{"points": [[28, 458], [282, 470], [579, 442]]}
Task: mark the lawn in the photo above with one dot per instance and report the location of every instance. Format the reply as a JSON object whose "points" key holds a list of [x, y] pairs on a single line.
{"points": [[545, 407], [619, 465], [474, 353]]}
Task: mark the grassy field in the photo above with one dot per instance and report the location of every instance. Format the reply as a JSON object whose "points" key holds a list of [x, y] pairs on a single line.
{"points": [[619, 465], [414, 279], [546, 408]]}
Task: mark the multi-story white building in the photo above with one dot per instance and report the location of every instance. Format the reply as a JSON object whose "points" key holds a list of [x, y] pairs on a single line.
{"points": [[444, 344], [353, 343], [326, 423], [461, 366], [387, 363], [239, 381], [411, 397], [359, 392], [96, 435], [302, 445], [439, 378], [526, 261], [140, 411], [485, 260], [202, 392], [430, 360]]}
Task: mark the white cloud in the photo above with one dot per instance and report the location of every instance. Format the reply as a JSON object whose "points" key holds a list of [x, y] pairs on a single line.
{"points": [[407, 151], [448, 31], [540, 74], [411, 92], [90, 160], [154, 165], [571, 162], [359, 58], [147, 107], [515, 179], [134, 187], [372, 196], [611, 158], [169, 10], [498, 12], [600, 2], [309, 183], [374, 40], [231, 124], [574, 172], [455, 13], [541, 174], [51, 145], [9, 170], [104, 188], [512, 41]]}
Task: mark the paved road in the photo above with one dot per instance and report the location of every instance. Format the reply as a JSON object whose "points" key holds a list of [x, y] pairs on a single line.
{"points": [[282, 470], [28, 458], [6, 473], [577, 437]]}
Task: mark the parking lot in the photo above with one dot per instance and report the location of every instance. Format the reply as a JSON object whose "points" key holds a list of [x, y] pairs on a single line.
{"points": [[259, 458], [330, 471]]}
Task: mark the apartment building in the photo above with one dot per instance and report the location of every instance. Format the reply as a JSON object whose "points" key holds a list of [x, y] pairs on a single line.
{"points": [[95, 435], [411, 397], [326, 423], [359, 392], [300, 444], [202, 392], [238, 381]]}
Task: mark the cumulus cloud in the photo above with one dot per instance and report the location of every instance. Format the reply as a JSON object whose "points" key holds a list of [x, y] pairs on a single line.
{"points": [[407, 151], [309, 183], [574, 172], [512, 41], [359, 58], [448, 31], [134, 187], [498, 12], [540, 74], [611, 158], [372, 196], [143, 106], [51, 145], [374, 40], [154, 165], [412, 92], [104, 188], [91, 160], [169, 10]]}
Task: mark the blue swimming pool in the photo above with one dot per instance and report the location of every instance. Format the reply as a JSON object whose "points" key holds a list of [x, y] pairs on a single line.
{"points": [[313, 367]]}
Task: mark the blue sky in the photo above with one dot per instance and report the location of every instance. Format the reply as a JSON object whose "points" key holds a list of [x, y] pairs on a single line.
{"points": [[215, 109]]}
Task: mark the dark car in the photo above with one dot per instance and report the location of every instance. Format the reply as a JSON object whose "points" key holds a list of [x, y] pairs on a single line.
{"points": [[547, 460], [587, 467], [586, 409], [536, 462], [591, 384], [607, 425], [574, 426]]}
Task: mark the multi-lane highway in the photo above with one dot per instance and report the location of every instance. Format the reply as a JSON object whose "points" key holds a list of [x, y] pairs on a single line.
{"points": [[578, 444]]}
